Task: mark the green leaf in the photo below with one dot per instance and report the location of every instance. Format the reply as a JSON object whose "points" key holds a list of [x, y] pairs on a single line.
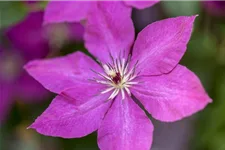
{"points": [[42, 4], [11, 13], [211, 127], [180, 8], [0, 138], [202, 45], [221, 88]]}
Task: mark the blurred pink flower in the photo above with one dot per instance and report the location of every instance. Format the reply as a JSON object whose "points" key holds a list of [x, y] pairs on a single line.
{"points": [[76, 11], [99, 96], [216, 8], [26, 42], [30, 1]]}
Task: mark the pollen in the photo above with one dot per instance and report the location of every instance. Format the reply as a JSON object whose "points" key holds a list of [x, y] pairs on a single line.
{"points": [[117, 77]]}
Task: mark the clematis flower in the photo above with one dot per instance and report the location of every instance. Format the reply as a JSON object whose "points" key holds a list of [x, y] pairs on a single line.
{"points": [[100, 96], [76, 11], [216, 8]]}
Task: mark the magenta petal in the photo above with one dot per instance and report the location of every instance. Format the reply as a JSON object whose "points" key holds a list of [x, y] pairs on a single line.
{"points": [[67, 11], [172, 96], [29, 2], [76, 31], [28, 89], [216, 8], [109, 28], [83, 91], [162, 44], [141, 4], [73, 117], [125, 127], [28, 36], [58, 74]]}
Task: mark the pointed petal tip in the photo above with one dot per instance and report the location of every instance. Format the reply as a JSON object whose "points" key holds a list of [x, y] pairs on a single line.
{"points": [[29, 65], [26, 66], [32, 126], [152, 40], [191, 99], [210, 100], [29, 127], [194, 16]]}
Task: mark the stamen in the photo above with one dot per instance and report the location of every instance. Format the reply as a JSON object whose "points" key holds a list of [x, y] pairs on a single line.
{"points": [[103, 82], [101, 75], [107, 90], [117, 68], [117, 77], [134, 76], [131, 83], [128, 91], [120, 68], [115, 92], [123, 94], [123, 65]]}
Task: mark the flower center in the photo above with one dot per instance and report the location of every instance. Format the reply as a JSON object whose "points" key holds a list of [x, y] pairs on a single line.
{"points": [[117, 77]]}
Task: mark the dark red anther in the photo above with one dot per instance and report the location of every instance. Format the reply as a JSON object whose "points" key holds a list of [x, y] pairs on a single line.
{"points": [[117, 78]]}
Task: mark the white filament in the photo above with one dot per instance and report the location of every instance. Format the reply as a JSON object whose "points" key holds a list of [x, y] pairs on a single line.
{"points": [[126, 78]]}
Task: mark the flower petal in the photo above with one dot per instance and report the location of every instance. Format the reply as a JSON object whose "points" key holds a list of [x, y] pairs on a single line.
{"points": [[141, 4], [29, 90], [61, 73], [162, 44], [76, 31], [67, 11], [28, 37], [216, 8], [125, 127], [73, 117], [109, 29], [173, 96]]}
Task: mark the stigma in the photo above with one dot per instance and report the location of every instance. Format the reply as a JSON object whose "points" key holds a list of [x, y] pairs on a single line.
{"points": [[118, 77]]}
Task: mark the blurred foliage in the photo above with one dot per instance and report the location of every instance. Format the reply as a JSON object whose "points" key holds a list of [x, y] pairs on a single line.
{"points": [[42, 4], [11, 12], [211, 126], [181, 8]]}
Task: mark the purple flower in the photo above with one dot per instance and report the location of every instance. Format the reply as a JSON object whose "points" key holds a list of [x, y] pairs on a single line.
{"points": [[99, 96], [215, 7], [76, 11], [61, 33], [26, 42]]}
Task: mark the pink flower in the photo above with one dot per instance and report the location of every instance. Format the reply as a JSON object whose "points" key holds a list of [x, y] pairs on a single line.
{"points": [[99, 96], [75, 11], [216, 8]]}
